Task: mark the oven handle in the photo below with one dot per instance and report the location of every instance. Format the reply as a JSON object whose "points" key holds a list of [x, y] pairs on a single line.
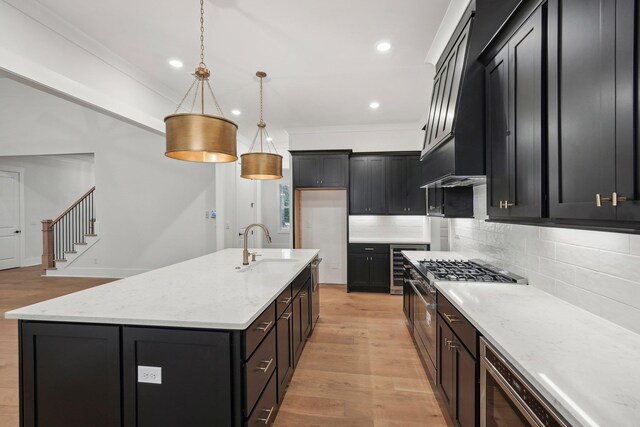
{"points": [[486, 368], [432, 306]]}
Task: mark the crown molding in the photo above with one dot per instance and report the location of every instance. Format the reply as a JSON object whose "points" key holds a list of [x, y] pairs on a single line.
{"points": [[387, 127]]}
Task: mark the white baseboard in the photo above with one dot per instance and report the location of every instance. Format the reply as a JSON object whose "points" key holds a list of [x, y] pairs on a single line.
{"points": [[108, 273], [29, 262]]}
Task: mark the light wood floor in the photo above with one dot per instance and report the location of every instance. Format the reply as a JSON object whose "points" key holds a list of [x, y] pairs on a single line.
{"points": [[358, 369]]}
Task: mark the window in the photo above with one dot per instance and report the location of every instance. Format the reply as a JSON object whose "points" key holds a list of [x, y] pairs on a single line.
{"points": [[284, 199]]}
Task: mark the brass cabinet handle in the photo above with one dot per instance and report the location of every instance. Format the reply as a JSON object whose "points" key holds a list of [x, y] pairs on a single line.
{"points": [[265, 327], [450, 318], [446, 343], [265, 368], [501, 204], [286, 314], [303, 294], [285, 301], [615, 199], [266, 420], [600, 199], [452, 345]]}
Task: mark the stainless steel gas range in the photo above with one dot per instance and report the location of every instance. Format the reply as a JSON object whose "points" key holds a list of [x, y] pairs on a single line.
{"points": [[420, 304]]}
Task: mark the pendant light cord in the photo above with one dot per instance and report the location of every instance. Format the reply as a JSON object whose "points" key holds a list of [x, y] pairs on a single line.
{"points": [[262, 126]]}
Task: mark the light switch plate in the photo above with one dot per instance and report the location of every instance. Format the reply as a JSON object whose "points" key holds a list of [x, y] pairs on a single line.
{"points": [[150, 374]]}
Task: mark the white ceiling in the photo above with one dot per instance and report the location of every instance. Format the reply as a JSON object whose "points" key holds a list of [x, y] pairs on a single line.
{"points": [[321, 59]]}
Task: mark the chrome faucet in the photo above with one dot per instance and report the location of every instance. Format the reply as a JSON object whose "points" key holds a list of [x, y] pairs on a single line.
{"points": [[245, 251]]}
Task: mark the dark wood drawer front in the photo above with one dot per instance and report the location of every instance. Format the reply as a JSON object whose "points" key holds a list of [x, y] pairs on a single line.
{"points": [[265, 411], [370, 248], [259, 329], [283, 301], [258, 370], [300, 281], [457, 322]]}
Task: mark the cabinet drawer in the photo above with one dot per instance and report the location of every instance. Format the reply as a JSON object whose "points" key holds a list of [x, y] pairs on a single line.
{"points": [[283, 301], [259, 329], [266, 408], [300, 281], [258, 370], [459, 324], [370, 248]]}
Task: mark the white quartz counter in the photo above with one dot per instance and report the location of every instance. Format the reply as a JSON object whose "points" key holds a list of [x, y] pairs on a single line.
{"points": [[204, 292], [588, 368], [391, 240]]}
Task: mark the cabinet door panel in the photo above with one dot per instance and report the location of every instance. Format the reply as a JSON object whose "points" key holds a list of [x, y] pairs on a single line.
{"points": [[285, 350], [358, 200], [466, 381], [333, 171], [498, 158], [358, 270], [297, 329], [189, 359], [307, 171], [377, 185], [305, 312], [445, 371], [581, 93], [397, 185], [379, 275], [416, 196], [525, 88]]}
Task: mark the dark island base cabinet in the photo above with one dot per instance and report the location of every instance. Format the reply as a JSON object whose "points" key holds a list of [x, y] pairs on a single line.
{"points": [[88, 374]]}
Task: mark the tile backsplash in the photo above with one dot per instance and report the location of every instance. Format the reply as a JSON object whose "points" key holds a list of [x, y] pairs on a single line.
{"points": [[389, 226], [597, 271]]}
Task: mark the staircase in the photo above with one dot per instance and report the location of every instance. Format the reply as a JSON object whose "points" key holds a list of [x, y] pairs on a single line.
{"points": [[68, 236]]}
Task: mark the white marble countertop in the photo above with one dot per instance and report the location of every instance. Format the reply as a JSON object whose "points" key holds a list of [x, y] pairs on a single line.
{"points": [[391, 240], [587, 367], [205, 292]]}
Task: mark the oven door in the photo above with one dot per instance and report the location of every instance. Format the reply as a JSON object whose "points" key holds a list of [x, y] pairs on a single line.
{"points": [[506, 400], [424, 327]]}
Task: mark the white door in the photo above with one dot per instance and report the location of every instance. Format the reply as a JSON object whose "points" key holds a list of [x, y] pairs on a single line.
{"points": [[246, 208], [9, 220]]}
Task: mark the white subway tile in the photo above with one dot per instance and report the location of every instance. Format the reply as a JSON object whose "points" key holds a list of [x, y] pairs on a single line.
{"points": [[635, 244], [617, 242], [558, 270], [621, 290], [577, 255]]}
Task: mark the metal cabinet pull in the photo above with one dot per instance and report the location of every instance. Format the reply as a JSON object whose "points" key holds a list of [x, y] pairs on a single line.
{"points": [[450, 318], [369, 249], [286, 314], [266, 420], [285, 301], [303, 295], [615, 199], [265, 368], [265, 327], [508, 205], [600, 199], [446, 343], [452, 345], [501, 204]]}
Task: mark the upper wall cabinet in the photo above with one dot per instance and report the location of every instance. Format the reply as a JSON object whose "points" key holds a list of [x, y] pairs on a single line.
{"points": [[446, 86], [367, 193], [594, 171], [404, 178], [317, 170], [514, 94]]}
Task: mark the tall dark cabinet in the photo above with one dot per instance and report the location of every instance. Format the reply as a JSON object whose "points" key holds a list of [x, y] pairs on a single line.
{"points": [[592, 90], [367, 193], [514, 124], [403, 186]]}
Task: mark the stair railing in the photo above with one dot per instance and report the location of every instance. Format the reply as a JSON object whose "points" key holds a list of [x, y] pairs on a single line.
{"points": [[59, 235]]}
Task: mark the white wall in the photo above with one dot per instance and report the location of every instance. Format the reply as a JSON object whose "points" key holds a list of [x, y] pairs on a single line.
{"points": [[393, 137], [51, 185], [324, 227], [271, 211], [389, 226], [597, 271]]}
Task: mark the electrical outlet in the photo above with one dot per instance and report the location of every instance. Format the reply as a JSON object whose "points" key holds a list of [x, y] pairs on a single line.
{"points": [[150, 374]]}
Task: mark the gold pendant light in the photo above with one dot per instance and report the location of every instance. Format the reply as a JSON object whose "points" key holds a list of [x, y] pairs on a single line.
{"points": [[199, 137], [261, 164]]}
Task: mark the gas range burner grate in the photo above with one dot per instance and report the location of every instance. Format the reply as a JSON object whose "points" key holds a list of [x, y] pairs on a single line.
{"points": [[462, 271]]}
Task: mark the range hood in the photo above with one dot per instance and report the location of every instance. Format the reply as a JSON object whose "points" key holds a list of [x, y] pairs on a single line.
{"points": [[453, 152]]}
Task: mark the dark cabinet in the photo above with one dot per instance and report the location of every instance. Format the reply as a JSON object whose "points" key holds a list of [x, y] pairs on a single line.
{"points": [[514, 94], [70, 375], [404, 178], [313, 170], [285, 350], [369, 268], [592, 92], [301, 320], [367, 192], [185, 394], [450, 202]]}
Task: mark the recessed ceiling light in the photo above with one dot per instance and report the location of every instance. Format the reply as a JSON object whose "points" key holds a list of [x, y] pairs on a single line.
{"points": [[269, 139], [383, 46], [236, 112], [374, 105], [175, 63]]}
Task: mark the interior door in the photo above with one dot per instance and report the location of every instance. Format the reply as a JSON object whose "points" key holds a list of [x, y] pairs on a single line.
{"points": [[9, 219], [246, 210]]}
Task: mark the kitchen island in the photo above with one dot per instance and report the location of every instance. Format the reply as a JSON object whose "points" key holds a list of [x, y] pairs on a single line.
{"points": [[203, 342]]}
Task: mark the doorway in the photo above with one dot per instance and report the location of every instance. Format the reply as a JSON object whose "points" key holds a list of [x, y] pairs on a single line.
{"points": [[10, 231]]}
